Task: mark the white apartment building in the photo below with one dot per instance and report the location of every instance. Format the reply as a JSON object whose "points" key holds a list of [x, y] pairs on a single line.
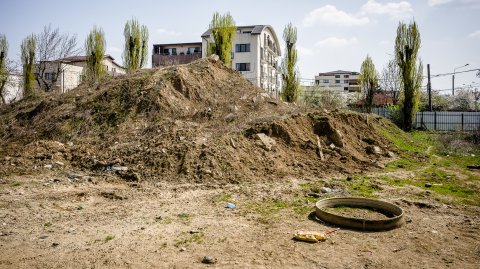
{"points": [[255, 53], [344, 81]]}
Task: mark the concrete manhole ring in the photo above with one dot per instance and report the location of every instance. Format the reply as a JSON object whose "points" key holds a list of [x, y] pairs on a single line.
{"points": [[394, 213]]}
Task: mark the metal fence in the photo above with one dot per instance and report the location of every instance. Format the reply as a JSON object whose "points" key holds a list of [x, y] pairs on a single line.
{"points": [[440, 120], [448, 120]]}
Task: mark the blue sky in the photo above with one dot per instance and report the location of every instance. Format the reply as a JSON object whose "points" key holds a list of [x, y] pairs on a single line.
{"points": [[331, 34]]}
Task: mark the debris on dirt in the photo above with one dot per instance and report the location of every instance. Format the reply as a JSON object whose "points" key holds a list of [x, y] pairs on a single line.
{"points": [[209, 260], [313, 237], [428, 185], [473, 166], [310, 237], [230, 205]]}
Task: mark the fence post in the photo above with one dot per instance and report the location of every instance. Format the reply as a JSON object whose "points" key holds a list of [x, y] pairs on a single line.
{"points": [[462, 123], [435, 120]]}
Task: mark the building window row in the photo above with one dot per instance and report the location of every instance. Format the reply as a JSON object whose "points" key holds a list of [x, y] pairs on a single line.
{"points": [[243, 66], [242, 48], [50, 76]]}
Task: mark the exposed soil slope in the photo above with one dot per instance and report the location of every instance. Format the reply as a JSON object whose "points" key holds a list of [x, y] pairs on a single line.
{"points": [[190, 122]]}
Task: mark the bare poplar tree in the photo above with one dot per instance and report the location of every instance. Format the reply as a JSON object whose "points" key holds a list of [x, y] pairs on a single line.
{"points": [[136, 45], [95, 52], [28, 65], [223, 31], [290, 77], [407, 45], [390, 79], [368, 81], [51, 47]]}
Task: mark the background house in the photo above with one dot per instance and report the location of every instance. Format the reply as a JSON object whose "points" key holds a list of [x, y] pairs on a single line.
{"points": [[175, 53], [255, 54], [346, 81], [67, 73]]}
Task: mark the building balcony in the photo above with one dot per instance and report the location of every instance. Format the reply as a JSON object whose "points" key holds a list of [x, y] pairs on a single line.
{"points": [[165, 59]]}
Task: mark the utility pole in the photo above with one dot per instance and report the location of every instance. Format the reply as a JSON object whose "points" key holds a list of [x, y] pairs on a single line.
{"points": [[429, 88]]}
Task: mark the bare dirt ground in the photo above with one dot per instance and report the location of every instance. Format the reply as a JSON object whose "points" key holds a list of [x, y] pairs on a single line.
{"points": [[49, 221]]}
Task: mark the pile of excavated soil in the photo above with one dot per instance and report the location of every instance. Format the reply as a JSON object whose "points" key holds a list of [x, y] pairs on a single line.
{"points": [[197, 122]]}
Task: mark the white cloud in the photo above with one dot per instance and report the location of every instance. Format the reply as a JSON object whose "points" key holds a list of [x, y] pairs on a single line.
{"points": [[455, 3], [433, 3], [168, 32], [475, 34], [303, 51], [396, 10], [330, 15], [336, 42]]}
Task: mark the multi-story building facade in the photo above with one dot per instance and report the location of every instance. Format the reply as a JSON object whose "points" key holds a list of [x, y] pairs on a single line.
{"points": [[344, 81], [175, 53], [255, 54]]}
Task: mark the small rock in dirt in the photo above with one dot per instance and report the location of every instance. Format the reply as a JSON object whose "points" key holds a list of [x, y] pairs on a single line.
{"points": [[332, 146], [48, 166], [314, 195], [209, 260], [325, 190], [214, 57], [267, 142], [43, 237], [70, 144], [428, 185], [194, 231], [373, 150], [232, 143], [59, 163], [389, 154], [119, 168], [55, 244], [182, 249], [337, 138]]}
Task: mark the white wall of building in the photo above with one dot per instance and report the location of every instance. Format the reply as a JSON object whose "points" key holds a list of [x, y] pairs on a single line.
{"points": [[13, 88]]}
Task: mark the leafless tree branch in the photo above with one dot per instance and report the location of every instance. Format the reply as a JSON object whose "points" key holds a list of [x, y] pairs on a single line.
{"points": [[52, 46]]}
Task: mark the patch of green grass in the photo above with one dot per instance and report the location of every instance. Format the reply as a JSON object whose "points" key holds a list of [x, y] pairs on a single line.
{"points": [[185, 217], [189, 238], [403, 163], [108, 238], [47, 224], [16, 184], [227, 198]]}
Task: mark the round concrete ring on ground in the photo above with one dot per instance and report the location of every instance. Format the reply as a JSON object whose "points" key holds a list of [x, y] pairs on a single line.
{"points": [[394, 213]]}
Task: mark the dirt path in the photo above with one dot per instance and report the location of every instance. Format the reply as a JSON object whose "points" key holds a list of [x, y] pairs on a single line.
{"points": [[98, 223]]}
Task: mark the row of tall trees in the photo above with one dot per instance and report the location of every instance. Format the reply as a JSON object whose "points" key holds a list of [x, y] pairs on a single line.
{"points": [[402, 75], [39, 51]]}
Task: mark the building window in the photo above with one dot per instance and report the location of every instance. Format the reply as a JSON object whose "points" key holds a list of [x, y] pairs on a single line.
{"points": [[317, 82], [345, 76], [171, 51], [337, 81], [337, 76], [345, 81], [49, 76], [114, 70], [345, 88], [326, 81], [242, 48], [243, 66]]}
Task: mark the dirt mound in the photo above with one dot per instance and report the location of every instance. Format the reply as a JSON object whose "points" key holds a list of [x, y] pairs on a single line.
{"points": [[200, 121]]}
